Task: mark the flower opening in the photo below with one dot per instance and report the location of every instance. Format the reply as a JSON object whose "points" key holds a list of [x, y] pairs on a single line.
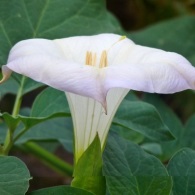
{"points": [[96, 71]]}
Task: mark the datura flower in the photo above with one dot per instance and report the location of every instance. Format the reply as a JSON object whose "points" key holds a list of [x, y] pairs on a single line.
{"points": [[96, 72]]}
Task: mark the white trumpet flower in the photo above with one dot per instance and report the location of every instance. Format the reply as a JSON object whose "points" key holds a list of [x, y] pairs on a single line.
{"points": [[96, 72]]}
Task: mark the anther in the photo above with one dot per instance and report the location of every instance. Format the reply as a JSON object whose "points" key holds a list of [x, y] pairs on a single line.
{"points": [[103, 60]]}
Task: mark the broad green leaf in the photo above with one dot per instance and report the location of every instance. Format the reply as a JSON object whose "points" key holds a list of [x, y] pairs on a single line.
{"points": [[177, 35], [26, 123], [14, 176], [184, 134], [40, 125], [130, 170], [60, 190], [182, 169], [49, 102], [59, 129], [189, 133], [88, 170], [143, 118], [172, 121], [168, 116], [51, 19]]}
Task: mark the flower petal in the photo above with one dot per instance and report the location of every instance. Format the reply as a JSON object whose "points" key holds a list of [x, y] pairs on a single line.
{"points": [[60, 74], [6, 73], [61, 63], [89, 118], [151, 70], [75, 48]]}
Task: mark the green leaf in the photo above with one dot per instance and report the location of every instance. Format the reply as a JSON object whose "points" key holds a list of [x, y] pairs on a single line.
{"points": [[166, 113], [127, 133], [59, 129], [60, 190], [153, 148], [49, 102], [47, 105], [42, 125], [182, 169], [174, 35], [28, 122], [14, 176], [88, 170], [130, 170], [10, 86], [3, 129], [189, 133], [172, 121], [51, 19], [143, 118]]}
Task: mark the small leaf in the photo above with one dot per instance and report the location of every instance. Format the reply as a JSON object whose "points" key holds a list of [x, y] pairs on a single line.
{"points": [[130, 170], [152, 148], [127, 133], [88, 170], [14, 176], [182, 169]]}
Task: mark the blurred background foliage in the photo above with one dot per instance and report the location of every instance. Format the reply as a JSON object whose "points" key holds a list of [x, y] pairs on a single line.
{"points": [[136, 14]]}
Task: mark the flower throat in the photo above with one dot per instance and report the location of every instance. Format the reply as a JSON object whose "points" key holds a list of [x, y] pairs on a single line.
{"points": [[91, 57]]}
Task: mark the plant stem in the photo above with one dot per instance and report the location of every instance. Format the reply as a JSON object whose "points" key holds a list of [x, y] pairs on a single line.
{"points": [[49, 159], [8, 143], [18, 100]]}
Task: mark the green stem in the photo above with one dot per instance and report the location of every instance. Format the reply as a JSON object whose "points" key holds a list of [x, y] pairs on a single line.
{"points": [[18, 100], [8, 143], [49, 159]]}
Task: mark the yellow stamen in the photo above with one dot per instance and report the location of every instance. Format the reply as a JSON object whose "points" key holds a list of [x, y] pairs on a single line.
{"points": [[88, 59], [91, 58], [103, 60]]}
